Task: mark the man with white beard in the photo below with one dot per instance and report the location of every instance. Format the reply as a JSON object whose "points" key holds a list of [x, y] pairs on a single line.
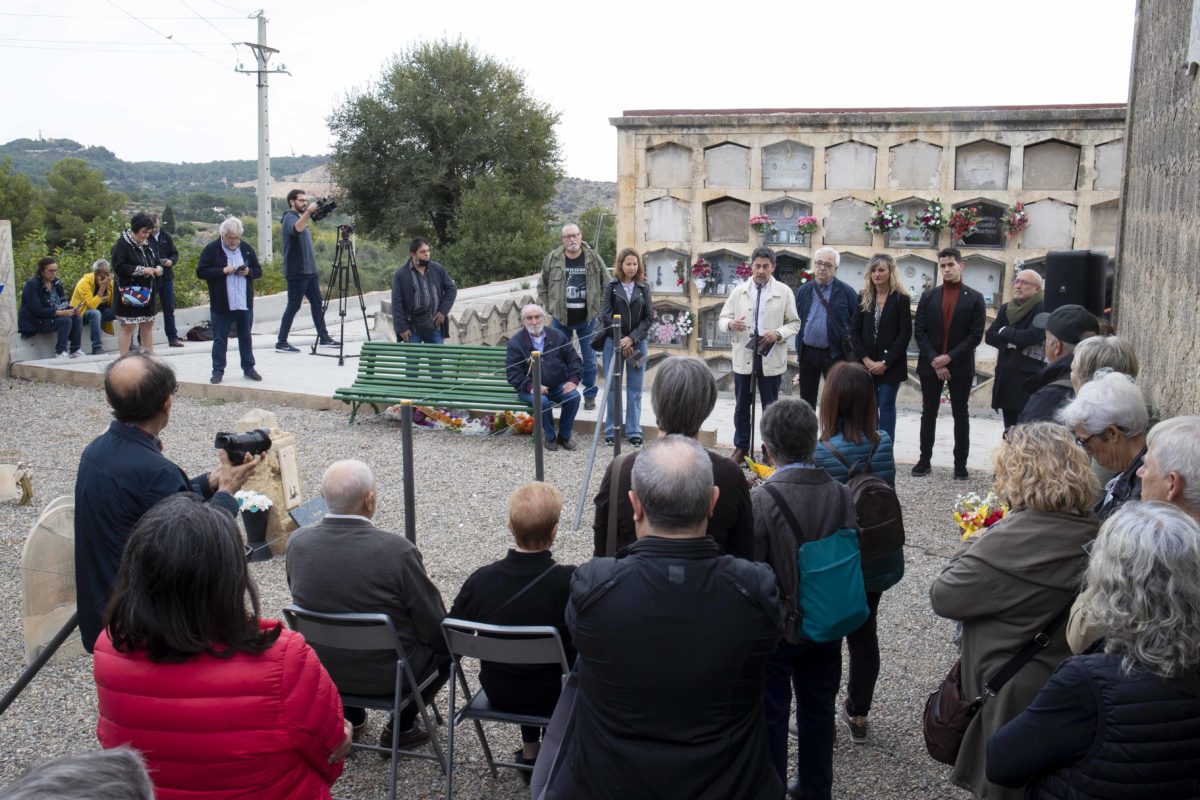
{"points": [[562, 369]]}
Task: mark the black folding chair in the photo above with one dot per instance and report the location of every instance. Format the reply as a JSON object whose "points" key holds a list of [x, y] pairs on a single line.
{"points": [[499, 644], [370, 633]]}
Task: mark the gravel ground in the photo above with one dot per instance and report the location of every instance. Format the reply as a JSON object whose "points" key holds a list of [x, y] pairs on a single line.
{"points": [[462, 484]]}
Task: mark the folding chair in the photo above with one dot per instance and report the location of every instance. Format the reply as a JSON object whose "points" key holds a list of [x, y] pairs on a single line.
{"points": [[500, 644], [370, 633]]}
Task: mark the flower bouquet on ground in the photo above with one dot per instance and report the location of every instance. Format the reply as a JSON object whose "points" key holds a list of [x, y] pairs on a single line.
{"points": [[761, 223], [932, 217], [885, 218], [964, 222], [743, 271], [252, 501], [806, 225], [1015, 219], [974, 513]]}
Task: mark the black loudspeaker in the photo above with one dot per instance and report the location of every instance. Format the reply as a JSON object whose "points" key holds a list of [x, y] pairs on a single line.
{"points": [[1077, 277]]}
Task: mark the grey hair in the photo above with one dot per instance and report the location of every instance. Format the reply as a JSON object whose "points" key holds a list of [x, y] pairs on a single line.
{"points": [[1099, 352], [528, 306], [683, 395], [789, 430], [1176, 446], [99, 264], [229, 224], [837, 257], [345, 484], [1110, 398], [1143, 588], [673, 480], [116, 774]]}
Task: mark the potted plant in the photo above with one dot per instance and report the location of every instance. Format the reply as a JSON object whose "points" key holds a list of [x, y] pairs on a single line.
{"points": [[700, 274], [255, 508], [884, 218], [1015, 219], [963, 222]]}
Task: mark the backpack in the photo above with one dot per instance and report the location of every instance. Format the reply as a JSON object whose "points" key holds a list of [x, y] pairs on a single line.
{"points": [[880, 518], [831, 600]]}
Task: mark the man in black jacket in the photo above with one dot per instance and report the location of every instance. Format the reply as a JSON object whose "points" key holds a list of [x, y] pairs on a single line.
{"points": [[673, 640], [230, 267], [1018, 345], [948, 327], [824, 306], [168, 258], [1051, 388], [422, 296]]}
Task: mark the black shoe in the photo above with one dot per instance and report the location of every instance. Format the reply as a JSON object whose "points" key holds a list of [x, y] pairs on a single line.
{"points": [[329, 342], [216, 377], [519, 758], [857, 727], [921, 468], [413, 737], [636, 441], [551, 444], [252, 374], [175, 343], [961, 474], [98, 351], [589, 404], [608, 440], [566, 444], [284, 347]]}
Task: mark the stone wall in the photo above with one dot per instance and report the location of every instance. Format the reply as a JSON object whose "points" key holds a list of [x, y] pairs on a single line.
{"points": [[1158, 251]]}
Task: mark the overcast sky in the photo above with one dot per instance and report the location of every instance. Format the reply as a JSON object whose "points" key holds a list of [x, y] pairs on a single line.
{"points": [[102, 72]]}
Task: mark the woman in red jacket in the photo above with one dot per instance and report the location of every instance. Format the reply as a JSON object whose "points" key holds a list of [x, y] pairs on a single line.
{"points": [[220, 703]]}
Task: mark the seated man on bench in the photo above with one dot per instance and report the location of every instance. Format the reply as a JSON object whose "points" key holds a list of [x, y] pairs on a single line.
{"points": [[562, 369], [93, 294]]}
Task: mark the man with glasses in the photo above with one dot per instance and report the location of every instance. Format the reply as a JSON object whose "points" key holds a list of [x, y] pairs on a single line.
{"points": [[825, 306], [570, 289], [230, 266], [300, 270], [948, 327], [1018, 345], [93, 295], [1051, 388]]}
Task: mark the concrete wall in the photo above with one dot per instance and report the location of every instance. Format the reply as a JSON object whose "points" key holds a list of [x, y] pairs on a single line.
{"points": [[1158, 281]]}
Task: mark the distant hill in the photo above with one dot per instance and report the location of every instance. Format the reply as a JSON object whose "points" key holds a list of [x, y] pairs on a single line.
{"points": [[575, 196]]}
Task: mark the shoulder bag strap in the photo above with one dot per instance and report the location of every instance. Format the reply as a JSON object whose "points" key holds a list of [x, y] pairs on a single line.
{"points": [[614, 481], [785, 510], [1023, 656], [833, 451], [514, 598], [832, 316]]}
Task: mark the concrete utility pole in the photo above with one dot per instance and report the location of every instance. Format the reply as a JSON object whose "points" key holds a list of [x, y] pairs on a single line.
{"points": [[262, 54]]}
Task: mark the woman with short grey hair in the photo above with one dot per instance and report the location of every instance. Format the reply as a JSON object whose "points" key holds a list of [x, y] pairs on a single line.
{"points": [[1102, 352], [1109, 419], [1123, 721], [116, 774]]}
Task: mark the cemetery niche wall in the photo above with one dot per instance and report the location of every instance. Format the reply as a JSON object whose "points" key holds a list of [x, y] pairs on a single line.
{"points": [[689, 181]]}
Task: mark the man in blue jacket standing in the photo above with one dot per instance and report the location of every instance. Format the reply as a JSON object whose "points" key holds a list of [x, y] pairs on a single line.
{"points": [[300, 270], [825, 306], [230, 266], [561, 370]]}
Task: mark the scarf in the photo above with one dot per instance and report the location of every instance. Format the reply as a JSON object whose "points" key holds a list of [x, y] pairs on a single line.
{"points": [[1019, 309], [143, 250]]}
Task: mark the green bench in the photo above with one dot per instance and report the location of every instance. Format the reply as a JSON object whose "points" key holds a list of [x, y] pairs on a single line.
{"points": [[467, 377]]}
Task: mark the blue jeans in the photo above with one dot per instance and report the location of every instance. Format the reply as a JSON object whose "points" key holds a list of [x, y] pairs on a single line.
{"points": [[885, 396], [166, 299], [584, 331], [220, 325], [814, 671], [767, 392], [93, 318], [632, 378], [67, 329], [298, 290], [566, 421], [429, 337]]}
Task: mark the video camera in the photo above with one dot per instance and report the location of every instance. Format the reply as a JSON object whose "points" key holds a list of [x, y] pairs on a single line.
{"points": [[237, 445], [325, 207]]}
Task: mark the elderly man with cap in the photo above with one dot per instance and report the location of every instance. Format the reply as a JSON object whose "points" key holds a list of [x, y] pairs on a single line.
{"points": [[1051, 388], [1019, 345]]}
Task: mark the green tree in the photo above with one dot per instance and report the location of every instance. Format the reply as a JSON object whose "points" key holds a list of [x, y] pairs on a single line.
{"points": [[441, 116], [498, 234], [168, 219], [600, 218], [20, 202], [77, 198]]}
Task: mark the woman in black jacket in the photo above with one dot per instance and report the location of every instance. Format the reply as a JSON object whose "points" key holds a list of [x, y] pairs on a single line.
{"points": [[628, 294], [135, 267], [880, 329], [46, 308], [1124, 721]]}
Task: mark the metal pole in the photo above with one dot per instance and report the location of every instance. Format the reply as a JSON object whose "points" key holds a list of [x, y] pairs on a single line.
{"points": [[618, 363], [49, 650], [406, 453], [591, 459], [264, 147], [539, 470]]}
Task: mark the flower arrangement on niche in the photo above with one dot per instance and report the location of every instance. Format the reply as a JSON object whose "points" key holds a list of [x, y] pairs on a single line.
{"points": [[964, 221], [743, 271], [701, 270], [805, 276], [685, 323], [806, 225], [761, 223], [680, 272], [885, 218], [1015, 219], [932, 217]]}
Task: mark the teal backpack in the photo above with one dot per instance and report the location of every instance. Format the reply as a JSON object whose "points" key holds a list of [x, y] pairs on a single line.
{"points": [[830, 597]]}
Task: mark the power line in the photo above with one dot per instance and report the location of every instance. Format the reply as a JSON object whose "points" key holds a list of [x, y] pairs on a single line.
{"points": [[209, 24], [122, 43], [87, 16], [92, 50], [231, 8], [163, 35]]}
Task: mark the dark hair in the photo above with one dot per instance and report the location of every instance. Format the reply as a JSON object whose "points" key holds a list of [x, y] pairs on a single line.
{"points": [[683, 395], [416, 244], [293, 194], [183, 584], [763, 252], [789, 430], [848, 404], [950, 252], [144, 400], [45, 262], [140, 220]]}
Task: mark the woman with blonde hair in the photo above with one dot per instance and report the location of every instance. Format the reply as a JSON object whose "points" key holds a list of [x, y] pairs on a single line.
{"points": [[1016, 580], [880, 329], [1124, 720]]}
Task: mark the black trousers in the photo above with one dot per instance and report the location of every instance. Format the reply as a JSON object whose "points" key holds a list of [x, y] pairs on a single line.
{"points": [[1010, 416], [863, 646], [931, 401], [813, 364]]}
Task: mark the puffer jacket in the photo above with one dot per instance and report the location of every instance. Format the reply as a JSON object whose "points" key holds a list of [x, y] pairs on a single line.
{"points": [[213, 728], [885, 570]]}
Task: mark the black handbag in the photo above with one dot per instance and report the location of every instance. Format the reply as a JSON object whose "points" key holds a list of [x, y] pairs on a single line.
{"points": [[948, 713]]}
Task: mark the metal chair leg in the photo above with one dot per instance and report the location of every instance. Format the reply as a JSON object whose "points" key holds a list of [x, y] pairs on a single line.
{"points": [[450, 735]]}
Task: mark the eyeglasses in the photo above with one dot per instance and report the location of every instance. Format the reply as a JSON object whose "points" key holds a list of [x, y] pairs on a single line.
{"points": [[1022, 282], [825, 264], [1085, 442]]}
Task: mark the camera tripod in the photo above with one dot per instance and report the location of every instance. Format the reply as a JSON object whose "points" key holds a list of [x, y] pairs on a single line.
{"points": [[343, 271]]}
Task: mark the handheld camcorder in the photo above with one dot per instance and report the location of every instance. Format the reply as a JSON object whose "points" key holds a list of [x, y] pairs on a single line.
{"points": [[325, 207], [237, 445]]}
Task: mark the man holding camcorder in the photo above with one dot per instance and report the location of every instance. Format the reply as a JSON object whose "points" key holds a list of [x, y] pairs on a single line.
{"points": [[422, 296], [300, 270]]}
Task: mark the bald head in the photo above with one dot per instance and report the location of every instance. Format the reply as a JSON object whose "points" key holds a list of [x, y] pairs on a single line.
{"points": [[139, 388], [349, 488]]}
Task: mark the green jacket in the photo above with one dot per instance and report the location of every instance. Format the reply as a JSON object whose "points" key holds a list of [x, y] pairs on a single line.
{"points": [[552, 284]]}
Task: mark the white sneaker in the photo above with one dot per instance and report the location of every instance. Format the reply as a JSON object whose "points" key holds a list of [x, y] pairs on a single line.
{"points": [[76, 354]]}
